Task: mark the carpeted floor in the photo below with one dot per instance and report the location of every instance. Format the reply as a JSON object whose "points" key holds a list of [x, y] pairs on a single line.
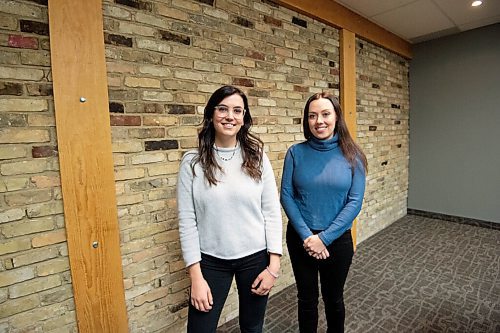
{"points": [[417, 275]]}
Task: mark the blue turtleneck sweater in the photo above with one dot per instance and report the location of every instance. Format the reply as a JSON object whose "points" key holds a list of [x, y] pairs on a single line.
{"points": [[319, 191]]}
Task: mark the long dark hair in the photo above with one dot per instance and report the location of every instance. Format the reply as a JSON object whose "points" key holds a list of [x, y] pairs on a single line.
{"points": [[251, 146], [349, 148]]}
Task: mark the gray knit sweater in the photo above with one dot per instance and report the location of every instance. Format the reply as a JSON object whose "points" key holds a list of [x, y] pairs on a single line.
{"points": [[237, 217]]}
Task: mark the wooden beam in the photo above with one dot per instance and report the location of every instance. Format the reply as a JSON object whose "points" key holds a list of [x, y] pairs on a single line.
{"points": [[86, 164], [332, 13], [348, 78], [348, 90]]}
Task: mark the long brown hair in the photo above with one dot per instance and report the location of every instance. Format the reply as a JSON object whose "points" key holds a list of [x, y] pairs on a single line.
{"points": [[349, 148], [251, 146]]}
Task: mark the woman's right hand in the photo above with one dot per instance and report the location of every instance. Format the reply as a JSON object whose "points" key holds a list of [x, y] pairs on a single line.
{"points": [[322, 255], [201, 295]]}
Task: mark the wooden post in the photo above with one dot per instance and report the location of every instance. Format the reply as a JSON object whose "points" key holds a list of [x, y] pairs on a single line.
{"points": [[348, 88], [86, 164]]}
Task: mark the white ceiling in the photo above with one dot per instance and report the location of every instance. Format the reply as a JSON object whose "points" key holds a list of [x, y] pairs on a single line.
{"points": [[421, 20]]}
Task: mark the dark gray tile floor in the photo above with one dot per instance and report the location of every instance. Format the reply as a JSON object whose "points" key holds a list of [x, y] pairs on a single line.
{"points": [[417, 275]]}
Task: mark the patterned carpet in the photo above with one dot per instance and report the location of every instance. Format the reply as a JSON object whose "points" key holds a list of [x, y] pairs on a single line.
{"points": [[417, 275]]}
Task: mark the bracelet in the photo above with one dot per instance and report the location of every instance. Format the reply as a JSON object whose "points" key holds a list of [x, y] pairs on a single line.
{"points": [[274, 275]]}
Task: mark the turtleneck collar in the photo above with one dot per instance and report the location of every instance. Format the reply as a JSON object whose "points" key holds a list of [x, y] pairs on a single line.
{"points": [[327, 144]]}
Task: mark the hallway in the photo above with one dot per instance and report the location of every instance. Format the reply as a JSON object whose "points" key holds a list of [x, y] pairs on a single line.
{"points": [[417, 275]]}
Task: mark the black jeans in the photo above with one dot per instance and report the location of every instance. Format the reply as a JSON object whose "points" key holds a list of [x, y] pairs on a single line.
{"points": [[219, 274], [333, 273]]}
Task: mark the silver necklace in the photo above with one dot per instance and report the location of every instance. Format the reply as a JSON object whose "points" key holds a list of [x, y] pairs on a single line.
{"points": [[226, 159]]}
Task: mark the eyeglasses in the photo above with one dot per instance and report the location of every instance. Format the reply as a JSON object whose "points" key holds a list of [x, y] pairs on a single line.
{"points": [[223, 111]]}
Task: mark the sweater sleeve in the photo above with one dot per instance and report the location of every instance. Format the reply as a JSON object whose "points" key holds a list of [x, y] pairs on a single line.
{"points": [[288, 198], [188, 229], [271, 209], [346, 216]]}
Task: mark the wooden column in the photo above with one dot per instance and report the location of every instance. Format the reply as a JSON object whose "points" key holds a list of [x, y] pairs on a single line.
{"points": [[86, 164], [348, 88]]}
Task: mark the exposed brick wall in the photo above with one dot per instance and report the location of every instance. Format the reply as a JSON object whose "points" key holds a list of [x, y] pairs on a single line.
{"points": [[35, 281], [164, 59], [383, 103]]}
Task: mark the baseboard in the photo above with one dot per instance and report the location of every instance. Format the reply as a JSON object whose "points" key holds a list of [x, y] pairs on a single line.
{"points": [[457, 219]]}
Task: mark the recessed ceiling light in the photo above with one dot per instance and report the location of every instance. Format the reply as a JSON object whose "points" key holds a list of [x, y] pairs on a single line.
{"points": [[476, 3]]}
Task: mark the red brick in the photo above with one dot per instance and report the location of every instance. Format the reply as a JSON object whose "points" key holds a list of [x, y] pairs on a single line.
{"points": [[125, 120], [23, 42], [335, 71], [243, 82], [272, 21], [364, 78], [300, 88], [44, 151], [256, 55]]}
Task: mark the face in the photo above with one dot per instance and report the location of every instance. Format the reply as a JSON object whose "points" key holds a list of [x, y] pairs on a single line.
{"points": [[228, 119], [322, 118]]}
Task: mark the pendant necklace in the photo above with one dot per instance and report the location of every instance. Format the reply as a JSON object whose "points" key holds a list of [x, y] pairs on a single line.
{"points": [[226, 159]]}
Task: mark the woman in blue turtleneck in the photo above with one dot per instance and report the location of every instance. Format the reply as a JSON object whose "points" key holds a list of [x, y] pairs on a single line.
{"points": [[322, 191]]}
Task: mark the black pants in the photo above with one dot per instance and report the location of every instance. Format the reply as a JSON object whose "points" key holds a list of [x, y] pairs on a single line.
{"points": [[219, 274], [333, 273]]}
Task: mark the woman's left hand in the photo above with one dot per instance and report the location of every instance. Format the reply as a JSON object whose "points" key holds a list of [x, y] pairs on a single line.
{"points": [[314, 244], [263, 283]]}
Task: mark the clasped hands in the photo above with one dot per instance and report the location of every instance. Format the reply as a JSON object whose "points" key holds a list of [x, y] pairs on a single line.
{"points": [[315, 247]]}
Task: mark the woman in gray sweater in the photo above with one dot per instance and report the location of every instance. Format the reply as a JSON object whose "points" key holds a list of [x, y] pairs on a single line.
{"points": [[229, 216]]}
